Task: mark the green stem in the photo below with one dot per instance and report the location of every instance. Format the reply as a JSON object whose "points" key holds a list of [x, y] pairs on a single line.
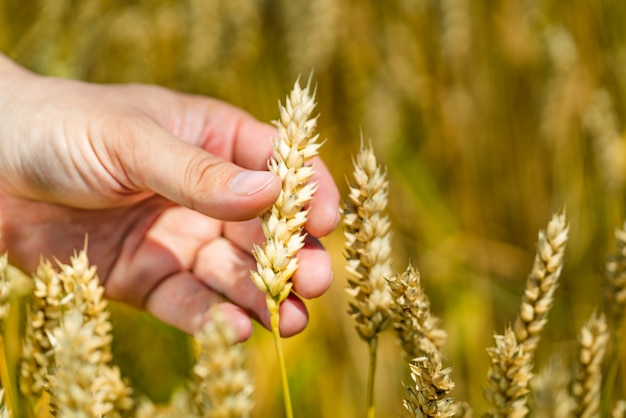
{"points": [[371, 408], [275, 322], [611, 374]]}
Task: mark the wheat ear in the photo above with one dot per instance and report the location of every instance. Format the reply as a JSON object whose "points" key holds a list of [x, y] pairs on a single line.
{"points": [[508, 377], [512, 356], [541, 283], [221, 388], [429, 397], [592, 340], [368, 255], [550, 390], [417, 329], [283, 224], [42, 317], [68, 316], [421, 339]]}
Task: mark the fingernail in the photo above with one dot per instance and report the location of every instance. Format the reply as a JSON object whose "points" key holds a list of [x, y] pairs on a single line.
{"points": [[251, 182]]}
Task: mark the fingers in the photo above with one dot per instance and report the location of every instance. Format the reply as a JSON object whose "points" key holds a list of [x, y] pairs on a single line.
{"points": [[314, 274], [185, 302], [235, 135], [324, 206], [151, 159], [226, 269]]}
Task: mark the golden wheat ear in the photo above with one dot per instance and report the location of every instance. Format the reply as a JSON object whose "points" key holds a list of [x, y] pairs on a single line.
{"points": [[368, 255], [586, 386], [368, 245], [283, 225], [416, 327], [512, 356], [542, 282], [221, 386]]}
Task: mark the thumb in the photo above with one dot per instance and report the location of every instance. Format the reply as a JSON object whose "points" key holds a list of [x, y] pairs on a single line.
{"points": [[195, 178]]}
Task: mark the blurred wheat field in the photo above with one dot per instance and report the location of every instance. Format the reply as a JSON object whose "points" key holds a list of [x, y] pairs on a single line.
{"points": [[490, 116]]}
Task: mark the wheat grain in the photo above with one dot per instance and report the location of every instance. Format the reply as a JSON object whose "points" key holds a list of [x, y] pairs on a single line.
{"points": [[592, 340], [541, 283], [221, 388]]}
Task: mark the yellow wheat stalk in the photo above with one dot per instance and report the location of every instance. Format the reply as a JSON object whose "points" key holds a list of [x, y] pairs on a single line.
{"points": [[368, 255], [512, 356], [283, 224]]}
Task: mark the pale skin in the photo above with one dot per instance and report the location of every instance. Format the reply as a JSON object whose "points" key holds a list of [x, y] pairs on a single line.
{"points": [[167, 187]]}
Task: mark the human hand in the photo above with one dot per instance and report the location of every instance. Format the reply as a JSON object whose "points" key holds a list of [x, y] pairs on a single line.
{"points": [[166, 186]]}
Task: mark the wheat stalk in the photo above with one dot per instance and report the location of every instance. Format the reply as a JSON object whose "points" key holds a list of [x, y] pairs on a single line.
{"points": [[221, 387], [283, 224], [512, 356], [5, 289], [6, 407], [368, 255]]}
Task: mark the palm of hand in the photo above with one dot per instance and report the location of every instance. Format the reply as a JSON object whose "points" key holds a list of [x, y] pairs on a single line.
{"points": [[150, 251]]}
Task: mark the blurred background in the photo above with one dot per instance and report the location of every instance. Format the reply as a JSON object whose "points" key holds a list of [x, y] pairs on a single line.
{"points": [[489, 115]]}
